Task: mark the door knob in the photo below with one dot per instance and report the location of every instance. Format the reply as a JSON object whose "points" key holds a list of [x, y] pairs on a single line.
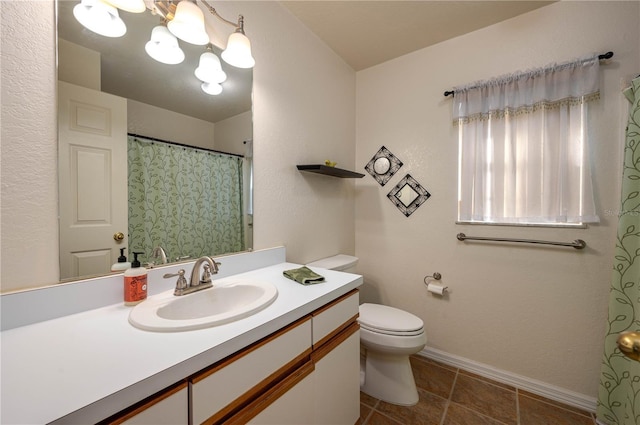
{"points": [[118, 236], [629, 344]]}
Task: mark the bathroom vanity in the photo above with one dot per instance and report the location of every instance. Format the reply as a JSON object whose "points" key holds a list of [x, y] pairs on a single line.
{"points": [[284, 364]]}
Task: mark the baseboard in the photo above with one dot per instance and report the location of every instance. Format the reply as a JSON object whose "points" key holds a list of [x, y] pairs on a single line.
{"points": [[521, 382]]}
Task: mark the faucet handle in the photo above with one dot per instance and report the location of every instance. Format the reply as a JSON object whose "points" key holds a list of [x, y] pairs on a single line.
{"points": [[181, 283], [206, 274]]}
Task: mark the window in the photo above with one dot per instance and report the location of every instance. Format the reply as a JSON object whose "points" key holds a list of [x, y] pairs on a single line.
{"points": [[522, 147]]}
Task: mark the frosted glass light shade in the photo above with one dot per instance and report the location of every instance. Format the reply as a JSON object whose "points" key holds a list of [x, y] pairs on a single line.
{"points": [[238, 51], [100, 17], [188, 24], [209, 69], [211, 88], [133, 6], [164, 47]]}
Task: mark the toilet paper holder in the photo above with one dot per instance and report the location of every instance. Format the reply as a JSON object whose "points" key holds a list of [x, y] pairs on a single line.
{"points": [[436, 276], [435, 288]]}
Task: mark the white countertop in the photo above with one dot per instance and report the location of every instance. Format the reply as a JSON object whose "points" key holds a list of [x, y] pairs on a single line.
{"points": [[86, 366]]}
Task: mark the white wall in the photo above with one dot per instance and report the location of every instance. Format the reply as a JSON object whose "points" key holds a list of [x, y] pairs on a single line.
{"points": [[29, 177], [538, 312], [151, 121], [304, 112], [233, 132]]}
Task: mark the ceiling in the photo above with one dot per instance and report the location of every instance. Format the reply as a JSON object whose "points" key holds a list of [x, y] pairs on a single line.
{"points": [[366, 33]]}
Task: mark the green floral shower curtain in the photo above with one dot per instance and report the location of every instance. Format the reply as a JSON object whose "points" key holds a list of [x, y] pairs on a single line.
{"points": [[186, 200], [619, 392]]}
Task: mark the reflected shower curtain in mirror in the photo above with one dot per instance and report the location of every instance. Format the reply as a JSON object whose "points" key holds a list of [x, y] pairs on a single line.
{"points": [[619, 391], [186, 200]]}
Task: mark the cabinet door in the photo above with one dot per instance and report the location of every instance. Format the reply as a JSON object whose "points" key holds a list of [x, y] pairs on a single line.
{"points": [[336, 379], [231, 384], [171, 407], [288, 403]]}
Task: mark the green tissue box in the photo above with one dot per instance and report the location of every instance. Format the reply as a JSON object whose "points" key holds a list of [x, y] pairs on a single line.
{"points": [[303, 275]]}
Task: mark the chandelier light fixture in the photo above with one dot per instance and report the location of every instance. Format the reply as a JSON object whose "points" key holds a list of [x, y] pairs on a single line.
{"points": [[181, 19]]}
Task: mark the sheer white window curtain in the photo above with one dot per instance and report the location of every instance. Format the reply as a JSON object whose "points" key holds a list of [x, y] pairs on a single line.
{"points": [[523, 147]]}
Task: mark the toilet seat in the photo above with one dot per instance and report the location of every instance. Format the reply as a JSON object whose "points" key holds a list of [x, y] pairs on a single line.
{"points": [[389, 320]]}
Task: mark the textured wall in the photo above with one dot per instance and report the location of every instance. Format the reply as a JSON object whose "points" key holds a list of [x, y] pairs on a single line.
{"points": [[304, 113], [29, 178], [533, 311], [232, 132]]}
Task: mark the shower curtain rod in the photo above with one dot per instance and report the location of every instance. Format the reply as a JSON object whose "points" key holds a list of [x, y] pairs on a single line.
{"points": [[577, 244], [154, 139], [603, 56]]}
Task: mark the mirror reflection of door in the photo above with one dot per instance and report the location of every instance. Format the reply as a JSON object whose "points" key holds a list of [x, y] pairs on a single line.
{"points": [[92, 155]]}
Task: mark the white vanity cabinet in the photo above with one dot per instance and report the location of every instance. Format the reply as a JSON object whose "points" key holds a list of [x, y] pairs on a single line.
{"points": [[325, 389], [307, 373], [228, 386]]}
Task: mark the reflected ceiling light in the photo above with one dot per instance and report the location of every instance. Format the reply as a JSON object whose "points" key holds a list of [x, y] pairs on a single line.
{"points": [[209, 68], [100, 17], [188, 24], [164, 47], [133, 6], [211, 88], [182, 19]]}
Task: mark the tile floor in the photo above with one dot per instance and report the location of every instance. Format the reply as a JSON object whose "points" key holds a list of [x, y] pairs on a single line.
{"points": [[451, 396]]}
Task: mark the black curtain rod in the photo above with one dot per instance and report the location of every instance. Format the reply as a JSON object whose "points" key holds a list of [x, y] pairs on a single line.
{"points": [[603, 56], [183, 145]]}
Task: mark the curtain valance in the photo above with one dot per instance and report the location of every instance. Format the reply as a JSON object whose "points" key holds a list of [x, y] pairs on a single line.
{"points": [[524, 92]]}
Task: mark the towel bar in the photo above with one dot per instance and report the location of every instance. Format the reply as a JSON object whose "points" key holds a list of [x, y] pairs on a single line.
{"points": [[577, 244]]}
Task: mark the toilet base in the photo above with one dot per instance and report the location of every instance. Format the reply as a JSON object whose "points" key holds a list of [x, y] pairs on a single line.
{"points": [[389, 378]]}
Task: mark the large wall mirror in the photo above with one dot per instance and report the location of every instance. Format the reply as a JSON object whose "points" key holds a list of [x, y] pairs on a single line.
{"points": [[148, 161]]}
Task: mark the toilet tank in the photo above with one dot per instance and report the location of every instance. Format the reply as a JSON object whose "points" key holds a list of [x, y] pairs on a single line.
{"points": [[340, 262]]}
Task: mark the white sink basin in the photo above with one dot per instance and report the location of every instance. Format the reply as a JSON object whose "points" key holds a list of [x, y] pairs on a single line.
{"points": [[229, 300]]}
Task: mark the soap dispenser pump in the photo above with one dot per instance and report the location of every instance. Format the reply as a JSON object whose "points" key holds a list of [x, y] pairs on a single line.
{"points": [[122, 263], [135, 282]]}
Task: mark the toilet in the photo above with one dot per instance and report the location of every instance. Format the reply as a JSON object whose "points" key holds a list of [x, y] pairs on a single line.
{"points": [[388, 336]]}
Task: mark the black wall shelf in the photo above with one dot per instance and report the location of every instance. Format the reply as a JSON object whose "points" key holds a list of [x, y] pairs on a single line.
{"points": [[330, 171]]}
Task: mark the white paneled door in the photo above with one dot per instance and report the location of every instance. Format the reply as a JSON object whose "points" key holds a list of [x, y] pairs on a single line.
{"points": [[92, 161]]}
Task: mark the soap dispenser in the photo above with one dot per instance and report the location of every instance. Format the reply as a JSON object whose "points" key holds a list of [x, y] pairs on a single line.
{"points": [[122, 263], [135, 282]]}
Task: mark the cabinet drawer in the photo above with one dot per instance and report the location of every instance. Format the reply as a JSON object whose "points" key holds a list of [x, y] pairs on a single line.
{"points": [[169, 407], [331, 319], [229, 385]]}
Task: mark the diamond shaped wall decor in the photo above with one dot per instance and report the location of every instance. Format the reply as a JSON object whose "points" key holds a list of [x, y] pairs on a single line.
{"points": [[383, 166], [408, 195]]}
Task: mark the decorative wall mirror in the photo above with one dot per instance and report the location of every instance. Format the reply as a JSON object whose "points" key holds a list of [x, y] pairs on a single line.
{"points": [[383, 166], [408, 195], [165, 102]]}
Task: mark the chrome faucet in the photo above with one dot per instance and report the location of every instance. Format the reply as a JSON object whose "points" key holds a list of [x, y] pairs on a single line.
{"points": [[159, 252], [196, 282]]}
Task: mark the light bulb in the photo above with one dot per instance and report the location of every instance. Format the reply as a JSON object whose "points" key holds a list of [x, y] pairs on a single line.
{"points": [[238, 51], [209, 69], [211, 88], [100, 17], [188, 24], [133, 6], [164, 47]]}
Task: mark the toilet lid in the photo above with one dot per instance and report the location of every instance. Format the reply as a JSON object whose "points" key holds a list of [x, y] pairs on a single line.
{"points": [[389, 320]]}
